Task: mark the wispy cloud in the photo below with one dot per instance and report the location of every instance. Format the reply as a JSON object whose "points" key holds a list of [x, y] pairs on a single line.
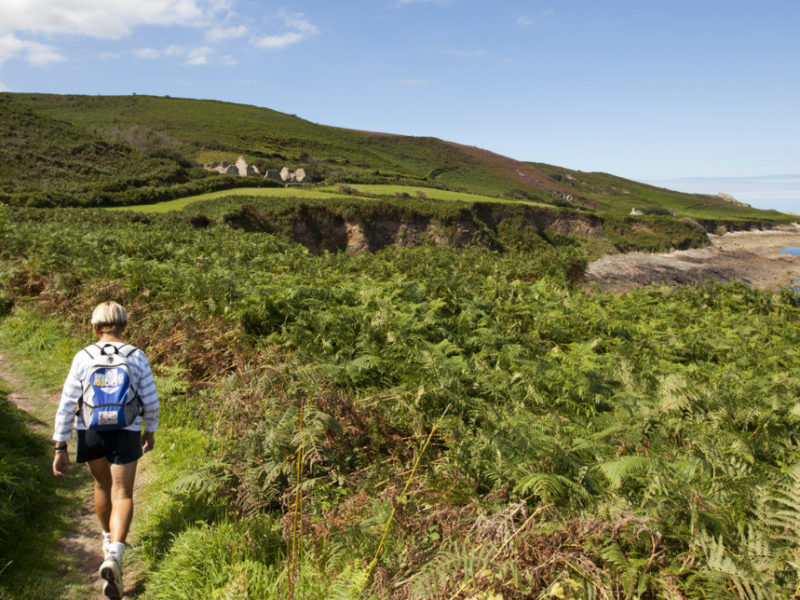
{"points": [[33, 52], [146, 53], [219, 34], [548, 13], [3, 87], [26, 25], [278, 41], [524, 21], [198, 57], [192, 57], [30, 30], [297, 28], [402, 2]]}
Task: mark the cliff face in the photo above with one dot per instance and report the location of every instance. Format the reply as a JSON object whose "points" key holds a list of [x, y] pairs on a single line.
{"points": [[356, 229]]}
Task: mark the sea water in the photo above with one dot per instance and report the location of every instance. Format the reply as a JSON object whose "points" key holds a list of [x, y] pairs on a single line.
{"points": [[794, 251]]}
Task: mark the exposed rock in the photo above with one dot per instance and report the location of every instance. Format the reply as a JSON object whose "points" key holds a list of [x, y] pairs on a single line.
{"points": [[751, 257], [300, 175], [252, 170], [635, 212], [356, 240], [285, 174]]}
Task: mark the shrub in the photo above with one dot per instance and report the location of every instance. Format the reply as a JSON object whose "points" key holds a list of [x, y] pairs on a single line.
{"points": [[344, 188]]}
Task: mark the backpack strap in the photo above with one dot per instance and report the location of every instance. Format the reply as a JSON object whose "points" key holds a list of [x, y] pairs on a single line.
{"points": [[92, 347], [127, 349]]}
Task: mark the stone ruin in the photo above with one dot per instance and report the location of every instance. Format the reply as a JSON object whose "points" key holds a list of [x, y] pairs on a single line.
{"points": [[241, 168]]}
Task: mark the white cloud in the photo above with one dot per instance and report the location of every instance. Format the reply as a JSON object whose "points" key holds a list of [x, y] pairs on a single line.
{"points": [[524, 21], [30, 29], [297, 29], [297, 22], [193, 57], [146, 53], [197, 57], [278, 41], [218, 34], [548, 13], [24, 21], [33, 52], [3, 87], [111, 19]]}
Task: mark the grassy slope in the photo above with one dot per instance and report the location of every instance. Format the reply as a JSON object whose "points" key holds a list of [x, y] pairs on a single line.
{"points": [[152, 136], [363, 192], [618, 195]]}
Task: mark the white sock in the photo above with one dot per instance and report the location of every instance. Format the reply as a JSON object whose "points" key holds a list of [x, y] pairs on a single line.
{"points": [[106, 541], [117, 549]]}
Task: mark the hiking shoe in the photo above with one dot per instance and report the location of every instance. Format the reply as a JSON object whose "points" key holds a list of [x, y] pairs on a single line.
{"points": [[111, 571]]}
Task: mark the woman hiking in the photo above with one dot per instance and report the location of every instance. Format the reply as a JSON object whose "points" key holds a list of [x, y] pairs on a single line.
{"points": [[109, 393]]}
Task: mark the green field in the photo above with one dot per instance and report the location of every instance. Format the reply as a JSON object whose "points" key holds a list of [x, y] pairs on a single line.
{"points": [[363, 192], [181, 203], [432, 193]]}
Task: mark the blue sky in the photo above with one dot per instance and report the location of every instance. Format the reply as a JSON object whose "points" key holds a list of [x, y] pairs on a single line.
{"points": [[678, 92]]}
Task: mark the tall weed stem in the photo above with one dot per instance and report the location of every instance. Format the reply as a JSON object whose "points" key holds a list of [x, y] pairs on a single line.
{"points": [[374, 561]]}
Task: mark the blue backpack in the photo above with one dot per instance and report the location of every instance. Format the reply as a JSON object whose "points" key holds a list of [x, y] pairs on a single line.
{"points": [[109, 400]]}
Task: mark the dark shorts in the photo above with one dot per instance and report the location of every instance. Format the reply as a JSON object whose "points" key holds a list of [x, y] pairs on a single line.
{"points": [[120, 447]]}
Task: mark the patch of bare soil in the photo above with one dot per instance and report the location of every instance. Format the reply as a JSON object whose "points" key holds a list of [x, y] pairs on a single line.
{"points": [[82, 544], [752, 257]]}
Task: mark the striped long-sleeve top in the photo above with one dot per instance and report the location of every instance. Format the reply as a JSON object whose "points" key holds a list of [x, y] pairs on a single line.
{"points": [[143, 383]]}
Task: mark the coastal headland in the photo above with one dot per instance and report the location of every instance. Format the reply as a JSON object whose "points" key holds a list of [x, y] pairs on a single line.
{"points": [[753, 257]]}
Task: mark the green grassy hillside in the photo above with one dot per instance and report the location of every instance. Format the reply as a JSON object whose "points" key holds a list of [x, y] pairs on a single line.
{"points": [[105, 150]]}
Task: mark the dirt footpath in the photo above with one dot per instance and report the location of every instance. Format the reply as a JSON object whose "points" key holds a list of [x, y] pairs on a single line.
{"points": [[748, 256], [81, 546]]}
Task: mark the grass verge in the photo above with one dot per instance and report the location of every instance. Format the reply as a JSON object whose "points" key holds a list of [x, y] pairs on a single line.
{"points": [[36, 511]]}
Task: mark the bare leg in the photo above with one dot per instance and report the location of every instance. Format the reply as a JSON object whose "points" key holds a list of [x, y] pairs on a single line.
{"points": [[122, 478], [101, 472], [113, 496]]}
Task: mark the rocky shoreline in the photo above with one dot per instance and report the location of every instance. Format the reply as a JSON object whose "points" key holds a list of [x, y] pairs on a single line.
{"points": [[749, 256]]}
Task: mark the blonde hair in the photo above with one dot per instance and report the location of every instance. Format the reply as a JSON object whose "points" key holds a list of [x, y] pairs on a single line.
{"points": [[109, 315]]}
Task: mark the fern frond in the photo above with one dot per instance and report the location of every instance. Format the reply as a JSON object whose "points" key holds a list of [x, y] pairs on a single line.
{"points": [[626, 466], [550, 487]]}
